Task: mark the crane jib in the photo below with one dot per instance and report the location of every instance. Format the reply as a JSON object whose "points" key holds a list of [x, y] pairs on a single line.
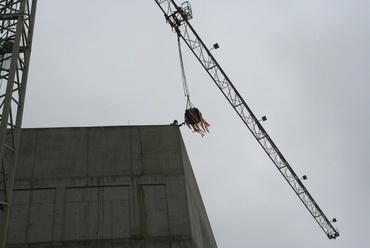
{"points": [[178, 18]]}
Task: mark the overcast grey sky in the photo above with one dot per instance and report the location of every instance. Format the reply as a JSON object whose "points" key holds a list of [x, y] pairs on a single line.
{"points": [[303, 64]]}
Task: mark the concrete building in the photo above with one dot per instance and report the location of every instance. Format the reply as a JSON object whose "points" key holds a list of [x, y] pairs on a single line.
{"points": [[126, 186]]}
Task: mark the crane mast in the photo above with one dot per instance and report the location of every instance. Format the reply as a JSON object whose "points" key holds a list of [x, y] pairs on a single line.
{"points": [[16, 30], [178, 17]]}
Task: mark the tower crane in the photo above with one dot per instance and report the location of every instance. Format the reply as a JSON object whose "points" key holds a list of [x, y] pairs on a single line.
{"points": [[16, 31], [178, 17]]}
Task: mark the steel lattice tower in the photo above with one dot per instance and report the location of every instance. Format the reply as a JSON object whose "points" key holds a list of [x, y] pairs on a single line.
{"points": [[16, 30]]}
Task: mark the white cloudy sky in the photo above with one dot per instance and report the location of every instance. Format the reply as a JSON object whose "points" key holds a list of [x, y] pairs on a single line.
{"points": [[303, 64]]}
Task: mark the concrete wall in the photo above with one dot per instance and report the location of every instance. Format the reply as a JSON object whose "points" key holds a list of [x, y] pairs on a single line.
{"points": [[107, 187]]}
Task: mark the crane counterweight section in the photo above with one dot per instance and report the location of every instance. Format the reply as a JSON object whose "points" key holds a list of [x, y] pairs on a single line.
{"points": [[178, 18]]}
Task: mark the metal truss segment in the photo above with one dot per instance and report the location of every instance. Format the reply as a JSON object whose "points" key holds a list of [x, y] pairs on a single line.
{"points": [[16, 30], [179, 23]]}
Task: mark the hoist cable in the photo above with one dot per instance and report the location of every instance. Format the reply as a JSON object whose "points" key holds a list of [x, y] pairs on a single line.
{"points": [[183, 77]]}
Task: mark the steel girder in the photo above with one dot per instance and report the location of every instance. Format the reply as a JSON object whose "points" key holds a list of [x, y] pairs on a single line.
{"points": [[16, 30]]}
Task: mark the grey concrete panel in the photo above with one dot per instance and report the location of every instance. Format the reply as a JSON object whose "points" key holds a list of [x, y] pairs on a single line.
{"points": [[32, 216], [154, 212], [200, 225], [22, 197], [61, 143], [18, 229], [41, 220], [58, 167], [75, 222], [97, 213], [28, 151]]}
